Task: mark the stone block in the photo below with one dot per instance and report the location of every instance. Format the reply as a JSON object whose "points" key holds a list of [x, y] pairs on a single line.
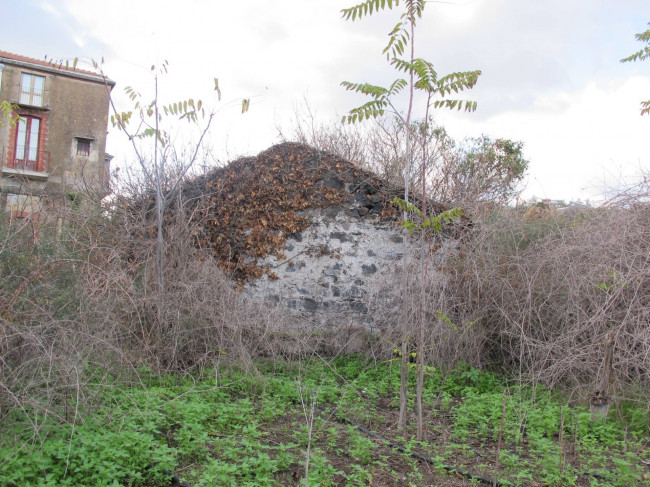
{"points": [[332, 211], [368, 270], [354, 292], [341, 236]]}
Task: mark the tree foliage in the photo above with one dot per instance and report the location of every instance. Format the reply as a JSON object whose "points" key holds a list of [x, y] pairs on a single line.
{"points": [[641, 55], [7, 116], [422, 73], [429, 224], [490, 170]]}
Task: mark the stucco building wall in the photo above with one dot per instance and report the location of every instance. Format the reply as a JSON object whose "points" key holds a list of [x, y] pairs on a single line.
{"points": [[72, 110]]}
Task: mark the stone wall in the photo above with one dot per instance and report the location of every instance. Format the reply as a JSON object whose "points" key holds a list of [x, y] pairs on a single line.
{"points": [[307, 231], [338, 268]]}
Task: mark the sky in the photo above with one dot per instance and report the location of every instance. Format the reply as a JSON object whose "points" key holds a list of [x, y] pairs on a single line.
{"points": [[551, 75]]}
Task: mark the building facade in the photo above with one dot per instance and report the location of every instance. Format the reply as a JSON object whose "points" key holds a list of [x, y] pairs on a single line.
{"points": [[55, 145]]}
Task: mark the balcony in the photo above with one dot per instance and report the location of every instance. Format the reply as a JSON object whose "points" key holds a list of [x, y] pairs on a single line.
{"points": [[31, 167]]}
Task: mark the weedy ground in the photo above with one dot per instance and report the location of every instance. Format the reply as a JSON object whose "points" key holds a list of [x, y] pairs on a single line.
{"points": [[241, 429]]}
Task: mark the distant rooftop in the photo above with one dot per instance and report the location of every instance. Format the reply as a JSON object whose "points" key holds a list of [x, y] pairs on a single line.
{"points": [[65, 68]]}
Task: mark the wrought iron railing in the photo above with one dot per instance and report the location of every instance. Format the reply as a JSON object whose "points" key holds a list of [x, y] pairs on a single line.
{"points": [[32, 162]]}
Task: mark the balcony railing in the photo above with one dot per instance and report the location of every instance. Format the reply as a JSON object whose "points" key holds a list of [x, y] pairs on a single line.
{"points": [[29, 164]]}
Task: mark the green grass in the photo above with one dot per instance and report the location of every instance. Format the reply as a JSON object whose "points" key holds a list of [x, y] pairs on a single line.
{"points": [[251, 430]]}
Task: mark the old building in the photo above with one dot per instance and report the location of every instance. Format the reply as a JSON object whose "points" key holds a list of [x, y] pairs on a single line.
{"points": [[304, 230], [57, 146]]}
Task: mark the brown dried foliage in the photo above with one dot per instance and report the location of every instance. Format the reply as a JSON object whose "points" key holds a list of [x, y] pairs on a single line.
{"points": [[245, 211]]}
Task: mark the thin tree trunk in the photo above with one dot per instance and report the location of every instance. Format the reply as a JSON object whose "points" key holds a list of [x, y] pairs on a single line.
{"points": [[423, 276], [160, 250], [160, 213], [403, 403]]}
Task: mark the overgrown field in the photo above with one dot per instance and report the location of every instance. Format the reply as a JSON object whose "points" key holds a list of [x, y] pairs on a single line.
{"points": [[236, 428]]}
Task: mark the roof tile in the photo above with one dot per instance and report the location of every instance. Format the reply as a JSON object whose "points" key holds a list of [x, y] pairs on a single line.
{"points": [[47, 64]]}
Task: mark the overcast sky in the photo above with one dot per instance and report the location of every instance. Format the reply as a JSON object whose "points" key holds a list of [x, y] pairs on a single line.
{"points": [[551, 72]]}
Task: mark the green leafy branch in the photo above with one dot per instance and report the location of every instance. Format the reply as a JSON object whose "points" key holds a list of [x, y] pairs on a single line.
{"points": [[641, 55], [644, 53], [189, 110], [7, 115], [63, 63], [367, 8], [432, 223], [421, 71], [427, 80], [377, 106], [445, 319], [399, 37]]}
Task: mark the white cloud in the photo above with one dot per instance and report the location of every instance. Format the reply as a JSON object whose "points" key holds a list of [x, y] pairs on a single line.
{"points": [[577, 140], [551, 76], [49, 8], [79, 41]]}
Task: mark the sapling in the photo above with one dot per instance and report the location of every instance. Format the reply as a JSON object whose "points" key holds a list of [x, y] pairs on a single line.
{"points": [[421, 76], [149, 120]]}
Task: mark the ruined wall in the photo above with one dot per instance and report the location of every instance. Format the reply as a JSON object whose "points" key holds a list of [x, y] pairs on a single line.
{"points": [[337, 269], [303, 230]]}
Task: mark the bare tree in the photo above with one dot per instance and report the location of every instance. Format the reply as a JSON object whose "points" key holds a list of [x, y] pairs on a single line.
{"points": [[148, 125]]}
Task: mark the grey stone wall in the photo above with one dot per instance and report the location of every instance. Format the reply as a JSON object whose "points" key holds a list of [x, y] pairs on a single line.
{"points": [[343, 266], [336, 269]]}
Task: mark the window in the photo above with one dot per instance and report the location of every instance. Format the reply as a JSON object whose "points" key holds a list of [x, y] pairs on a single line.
{"points": [[31, 90], [22, 206], [27, 135], [83, 147]]}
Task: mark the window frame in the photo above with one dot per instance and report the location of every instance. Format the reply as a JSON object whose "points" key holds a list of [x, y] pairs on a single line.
{"points": [[29, 138], [29, 95], [22, 206], [87, 146]]}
